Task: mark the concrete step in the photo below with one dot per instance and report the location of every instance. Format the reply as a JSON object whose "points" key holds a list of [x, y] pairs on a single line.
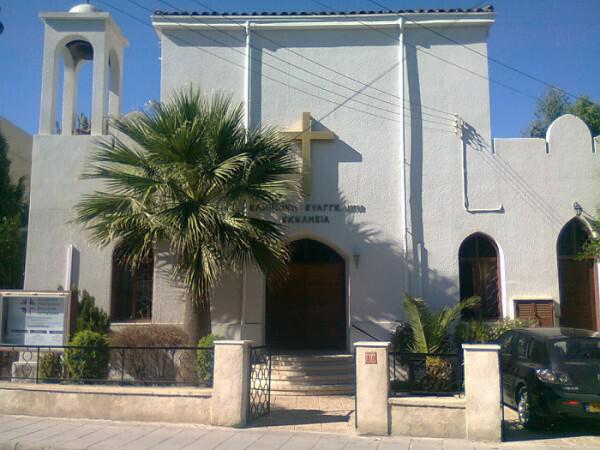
{"points": [[320, 389], [312, 374], [314, 379]]}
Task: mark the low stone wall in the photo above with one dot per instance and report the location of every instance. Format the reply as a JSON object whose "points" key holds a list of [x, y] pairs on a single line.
{"points": [[144, 404], [440, 417]]}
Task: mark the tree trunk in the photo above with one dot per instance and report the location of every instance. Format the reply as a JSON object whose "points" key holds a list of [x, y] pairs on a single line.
{"points": [[197, 321]]}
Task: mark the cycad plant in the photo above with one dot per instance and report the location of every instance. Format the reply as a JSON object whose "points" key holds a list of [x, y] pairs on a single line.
{"points": [[431, 329], [182, 174], [430, 335]]}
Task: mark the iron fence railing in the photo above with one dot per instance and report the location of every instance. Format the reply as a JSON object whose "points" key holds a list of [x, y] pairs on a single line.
{"points": [[260, 382], [135, 366], [426, 373]]}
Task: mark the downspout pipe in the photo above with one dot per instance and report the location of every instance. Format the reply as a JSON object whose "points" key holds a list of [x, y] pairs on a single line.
{"points": [[247, 123], [460, 131], [403, 197]]}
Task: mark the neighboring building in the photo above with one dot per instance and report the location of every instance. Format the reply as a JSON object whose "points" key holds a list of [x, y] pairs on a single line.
{"points": [[20, 144], [407, 191]]}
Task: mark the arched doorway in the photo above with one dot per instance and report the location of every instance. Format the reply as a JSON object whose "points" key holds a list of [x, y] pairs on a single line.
{"points": [[576, 279], [308, 309], [479, 277]]}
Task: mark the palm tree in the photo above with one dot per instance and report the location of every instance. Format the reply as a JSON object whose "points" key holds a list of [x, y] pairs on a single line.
{"points": [[183, 174]]}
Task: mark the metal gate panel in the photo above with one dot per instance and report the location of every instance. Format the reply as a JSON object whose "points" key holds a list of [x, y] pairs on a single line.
{"points": [[260, 383]]}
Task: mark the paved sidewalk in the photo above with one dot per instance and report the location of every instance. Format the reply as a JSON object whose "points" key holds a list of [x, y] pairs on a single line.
{"points": [[24, 432], [326, 413]]}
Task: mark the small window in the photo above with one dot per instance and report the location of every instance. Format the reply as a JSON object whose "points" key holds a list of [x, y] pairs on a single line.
{"points": [[132, 291]]}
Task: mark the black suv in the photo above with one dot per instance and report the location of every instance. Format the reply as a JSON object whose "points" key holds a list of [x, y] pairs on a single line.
{"points": [[550, 373]]}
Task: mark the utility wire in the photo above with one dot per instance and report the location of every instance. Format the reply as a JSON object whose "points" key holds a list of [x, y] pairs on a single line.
{"points": [[369, 105], [337, 104], [433, 55], [185, 25], [487, 57], [318, 63]]}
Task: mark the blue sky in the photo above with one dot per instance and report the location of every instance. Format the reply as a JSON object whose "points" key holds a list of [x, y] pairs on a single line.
{"points": [[555, 40]]}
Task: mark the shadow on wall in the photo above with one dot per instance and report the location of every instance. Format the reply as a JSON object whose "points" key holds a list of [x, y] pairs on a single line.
{"points": [[381, 264], [538, 202]]}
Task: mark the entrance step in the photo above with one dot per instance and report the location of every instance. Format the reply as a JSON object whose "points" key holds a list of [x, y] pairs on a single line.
{"points": [[312, 374]]}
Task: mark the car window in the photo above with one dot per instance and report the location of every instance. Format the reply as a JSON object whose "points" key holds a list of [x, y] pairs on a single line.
{"points": [[537, 352], [522, 347], [505, 342], [572, 349]]}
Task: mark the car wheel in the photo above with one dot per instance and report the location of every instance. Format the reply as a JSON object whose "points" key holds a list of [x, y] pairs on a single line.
{"points": [[527, 416]]}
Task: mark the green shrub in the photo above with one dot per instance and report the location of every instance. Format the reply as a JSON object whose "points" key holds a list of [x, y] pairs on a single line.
{"points": [[205, 358], [50, 367], [90, 363], [89, 316], [476, 331]]}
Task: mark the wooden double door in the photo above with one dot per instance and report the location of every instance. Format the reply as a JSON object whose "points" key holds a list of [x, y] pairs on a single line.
{"points": [[308, 309]]}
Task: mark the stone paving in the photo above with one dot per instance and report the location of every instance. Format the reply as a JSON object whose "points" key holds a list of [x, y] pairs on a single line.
{"points": [[33, 433], [333, 414]]}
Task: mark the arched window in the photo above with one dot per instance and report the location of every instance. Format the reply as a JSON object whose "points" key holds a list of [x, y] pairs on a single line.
{"points": [[132, 291], [478, 267]]}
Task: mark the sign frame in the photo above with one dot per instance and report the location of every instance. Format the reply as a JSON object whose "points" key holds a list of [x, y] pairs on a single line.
{"points": [[65, 295]]}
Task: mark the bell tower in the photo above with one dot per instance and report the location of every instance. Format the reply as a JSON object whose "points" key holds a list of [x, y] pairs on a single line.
{"points": [[83, 35]]}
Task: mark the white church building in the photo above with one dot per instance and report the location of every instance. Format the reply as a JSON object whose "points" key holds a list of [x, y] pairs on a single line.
{"points": [[405, 190]]}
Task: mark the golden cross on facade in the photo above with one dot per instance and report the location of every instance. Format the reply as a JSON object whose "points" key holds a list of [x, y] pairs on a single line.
{"points": [[306, 135]]}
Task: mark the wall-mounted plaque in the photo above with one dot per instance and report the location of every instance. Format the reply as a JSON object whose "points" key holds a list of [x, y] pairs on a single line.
{"points": [[370, 357], [34, 318]]}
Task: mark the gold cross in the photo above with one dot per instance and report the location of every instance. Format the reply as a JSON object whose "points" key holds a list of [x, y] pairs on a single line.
{"points": [[306, 135]]}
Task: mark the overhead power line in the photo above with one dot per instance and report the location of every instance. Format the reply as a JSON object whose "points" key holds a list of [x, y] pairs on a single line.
{"points": [[335, 71], [433, 55], [477, 52], [337, 104]]}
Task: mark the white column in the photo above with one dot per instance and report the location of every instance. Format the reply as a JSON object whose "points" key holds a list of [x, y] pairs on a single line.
{"points": [[99, 85], [116, 84], [372, 387], [483, 392], [48, 100], [69, 100], [231, 384]]}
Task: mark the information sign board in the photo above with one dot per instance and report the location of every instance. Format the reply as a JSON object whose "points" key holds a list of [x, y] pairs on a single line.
{"points": [[33, 318]]}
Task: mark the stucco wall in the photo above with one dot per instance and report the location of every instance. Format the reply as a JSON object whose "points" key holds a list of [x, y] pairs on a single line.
{"points": [[19, 151], [180, 405], [536, 181], [363, 165], [58, 162], [442, 417]]}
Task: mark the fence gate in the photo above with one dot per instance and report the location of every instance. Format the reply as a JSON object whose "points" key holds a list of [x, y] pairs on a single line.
{"points": [[260, 383]]}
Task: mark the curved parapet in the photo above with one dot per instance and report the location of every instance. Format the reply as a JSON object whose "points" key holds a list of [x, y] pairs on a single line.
{"points": [[569, 132]]}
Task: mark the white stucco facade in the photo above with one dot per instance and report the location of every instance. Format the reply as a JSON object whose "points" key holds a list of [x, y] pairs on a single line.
{"points": [[413, 157]]}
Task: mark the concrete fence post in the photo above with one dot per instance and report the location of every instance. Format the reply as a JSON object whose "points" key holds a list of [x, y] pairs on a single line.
{"points": [[483, 392], [231, 383], [372, 387]]}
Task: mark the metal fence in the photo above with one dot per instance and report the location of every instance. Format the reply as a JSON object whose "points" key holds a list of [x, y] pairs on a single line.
{"points": [[260, 382], [136, 366], [426, 374]]}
